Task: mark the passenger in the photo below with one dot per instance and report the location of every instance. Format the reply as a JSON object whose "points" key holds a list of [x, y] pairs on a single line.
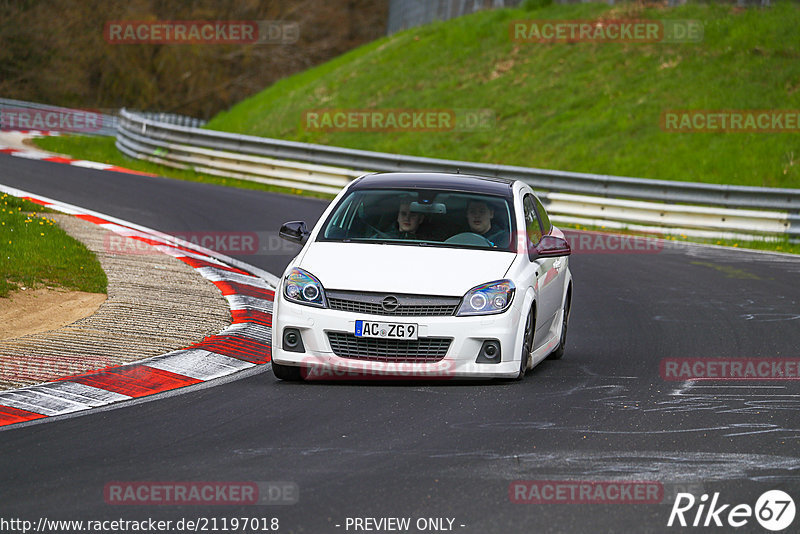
{"points": [[480, 217]]}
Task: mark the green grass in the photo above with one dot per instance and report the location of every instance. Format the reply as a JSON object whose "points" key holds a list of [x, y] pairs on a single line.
{"points": [[102, 149], [587, 107], [35, 252]]}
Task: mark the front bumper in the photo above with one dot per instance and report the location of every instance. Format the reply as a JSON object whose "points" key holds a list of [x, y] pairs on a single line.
{"points": [[467, 335]]}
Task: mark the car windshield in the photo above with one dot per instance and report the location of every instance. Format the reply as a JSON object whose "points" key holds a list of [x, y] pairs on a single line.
{"points": [[422, 217]]}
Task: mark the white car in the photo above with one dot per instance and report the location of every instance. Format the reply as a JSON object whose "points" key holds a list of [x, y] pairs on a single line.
{"points": [[423, 275]]}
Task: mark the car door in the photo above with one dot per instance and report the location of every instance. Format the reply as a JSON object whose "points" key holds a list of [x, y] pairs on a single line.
{"points": [[547, 291]]}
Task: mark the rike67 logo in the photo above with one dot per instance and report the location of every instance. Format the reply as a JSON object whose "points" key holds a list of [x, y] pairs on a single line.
{"points": [[774, 510]]}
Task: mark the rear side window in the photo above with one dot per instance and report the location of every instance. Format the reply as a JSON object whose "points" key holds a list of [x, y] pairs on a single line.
{"points": [[547, 226]]}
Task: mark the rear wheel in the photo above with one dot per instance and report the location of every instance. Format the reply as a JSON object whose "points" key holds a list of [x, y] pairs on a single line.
{"points": [[527, 343], [287, 372], [559, 352]]}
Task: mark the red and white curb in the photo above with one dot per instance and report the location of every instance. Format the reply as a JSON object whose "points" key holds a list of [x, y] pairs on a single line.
{"points": [[11, 143], [244, 344]]}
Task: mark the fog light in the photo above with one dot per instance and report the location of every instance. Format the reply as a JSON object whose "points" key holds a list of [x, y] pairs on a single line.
{"points": [[292, 340], [490, 352]]}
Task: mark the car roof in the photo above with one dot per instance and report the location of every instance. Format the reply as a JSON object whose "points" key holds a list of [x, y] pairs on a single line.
{"points": [[437, 180]]}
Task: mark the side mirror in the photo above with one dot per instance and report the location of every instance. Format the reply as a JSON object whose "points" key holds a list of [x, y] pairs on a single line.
{"points": [[295, 231], [551, 247]]}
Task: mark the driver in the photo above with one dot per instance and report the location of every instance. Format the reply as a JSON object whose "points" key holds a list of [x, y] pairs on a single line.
{"points": [[407, 222], [480, 216]]}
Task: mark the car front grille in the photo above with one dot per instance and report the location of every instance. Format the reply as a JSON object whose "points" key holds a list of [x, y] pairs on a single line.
{"points": [[423, 350], [407, 305]]}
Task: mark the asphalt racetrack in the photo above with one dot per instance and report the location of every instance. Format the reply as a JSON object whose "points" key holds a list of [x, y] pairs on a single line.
{"points": [[444, 450]]}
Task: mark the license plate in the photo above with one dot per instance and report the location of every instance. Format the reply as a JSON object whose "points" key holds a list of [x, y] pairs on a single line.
{"points": [[386, 330]]}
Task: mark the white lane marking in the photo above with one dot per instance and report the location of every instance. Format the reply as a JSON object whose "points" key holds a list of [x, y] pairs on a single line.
{"points": [[57, 398], [253, 331], [180, 253], [27, 154], [243, 302], [219, 275], [91, 164], [198, 364], [126, 232], [88, 395], [24, 401]]}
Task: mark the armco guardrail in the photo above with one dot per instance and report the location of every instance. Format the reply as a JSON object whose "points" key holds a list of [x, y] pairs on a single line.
{"points": [[657, 217], [717, 210], [143, 140], [107, 128], [172, 118]]}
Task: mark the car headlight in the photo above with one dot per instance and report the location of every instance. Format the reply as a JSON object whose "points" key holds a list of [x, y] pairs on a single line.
{"points": [[303, 288], [485, 299]]}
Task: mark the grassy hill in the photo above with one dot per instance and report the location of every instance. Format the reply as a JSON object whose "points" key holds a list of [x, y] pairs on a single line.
{"points": [[589, 107]]}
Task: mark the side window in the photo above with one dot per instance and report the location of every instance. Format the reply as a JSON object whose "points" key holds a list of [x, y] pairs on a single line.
{"points": [[532, 227], [547, 226], [342, 220]]}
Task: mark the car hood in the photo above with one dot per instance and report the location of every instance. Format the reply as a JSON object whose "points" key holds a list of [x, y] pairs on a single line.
{"points": [[403, 268]]}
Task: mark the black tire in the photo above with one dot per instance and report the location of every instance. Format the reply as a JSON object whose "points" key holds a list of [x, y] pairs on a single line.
{"points": [[287, 372], [527, 343], [559, 352]]}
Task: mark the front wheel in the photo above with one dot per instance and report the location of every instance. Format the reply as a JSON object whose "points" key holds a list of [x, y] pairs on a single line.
{"points": [[527, 343], [559, 352], [287, 372]]}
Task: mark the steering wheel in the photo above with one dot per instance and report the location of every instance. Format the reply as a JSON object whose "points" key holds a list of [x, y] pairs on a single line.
{"points": [[468, 238], [379, 233]]}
